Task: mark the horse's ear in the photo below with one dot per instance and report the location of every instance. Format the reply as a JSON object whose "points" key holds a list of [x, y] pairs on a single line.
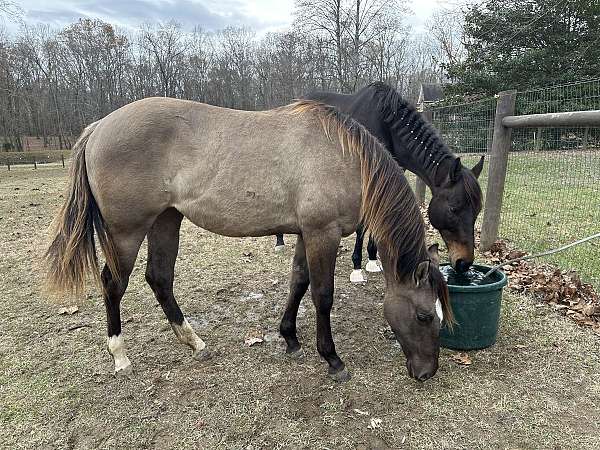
{"points": [[456, 171], [421, 273], [477, 168], [434, 255]]}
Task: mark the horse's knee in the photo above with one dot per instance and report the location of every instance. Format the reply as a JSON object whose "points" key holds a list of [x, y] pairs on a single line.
{"points": [[323, 299]]}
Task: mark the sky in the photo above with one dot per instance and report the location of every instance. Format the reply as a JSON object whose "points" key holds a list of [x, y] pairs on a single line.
{"points": [[261, 15]]}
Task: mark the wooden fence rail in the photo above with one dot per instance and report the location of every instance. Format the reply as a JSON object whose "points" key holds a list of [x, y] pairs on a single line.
{"points": [[504, 122]]}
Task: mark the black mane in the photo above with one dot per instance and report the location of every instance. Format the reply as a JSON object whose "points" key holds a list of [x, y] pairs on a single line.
{"points": [[419, 136]]}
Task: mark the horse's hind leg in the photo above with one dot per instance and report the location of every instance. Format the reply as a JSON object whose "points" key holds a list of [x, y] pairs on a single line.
{"points": [[127, 249], [298, 286], [163, 245]]}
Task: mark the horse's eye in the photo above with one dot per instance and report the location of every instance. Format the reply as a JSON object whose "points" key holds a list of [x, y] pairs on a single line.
{"points": [[424, 317]]}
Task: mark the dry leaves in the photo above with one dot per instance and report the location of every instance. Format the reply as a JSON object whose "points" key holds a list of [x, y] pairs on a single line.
{"points": [[68, 310], [253, 337], [563, 289], [461, 358]]}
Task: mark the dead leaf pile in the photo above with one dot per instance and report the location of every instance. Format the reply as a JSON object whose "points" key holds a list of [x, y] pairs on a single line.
{"points": [[547, 283], [462, 358]]}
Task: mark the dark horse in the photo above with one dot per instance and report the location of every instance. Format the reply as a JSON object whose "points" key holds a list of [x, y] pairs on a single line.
{"points": [[303, 169], [416, 146]]}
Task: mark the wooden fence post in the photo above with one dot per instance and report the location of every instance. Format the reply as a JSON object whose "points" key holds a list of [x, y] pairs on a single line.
{"points": [[419, 183], [501, 144], [34, 163], [8, 163], [62, 158]]}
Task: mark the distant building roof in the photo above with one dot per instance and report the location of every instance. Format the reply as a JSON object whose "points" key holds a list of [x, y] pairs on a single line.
{"points": [[430, 92]]}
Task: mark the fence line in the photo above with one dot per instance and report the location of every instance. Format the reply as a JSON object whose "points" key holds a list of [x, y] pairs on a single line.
{"points": [[10, 159], [551, 192]]}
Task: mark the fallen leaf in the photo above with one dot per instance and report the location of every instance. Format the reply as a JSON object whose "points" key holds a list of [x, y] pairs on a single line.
{"points": [[462, 359], [253, 340], [362, 413], [68, 310], [253, 337], [375, 423]]}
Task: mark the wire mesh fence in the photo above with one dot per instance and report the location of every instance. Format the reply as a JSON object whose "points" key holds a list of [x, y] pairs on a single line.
{"points": [[552, 191]]}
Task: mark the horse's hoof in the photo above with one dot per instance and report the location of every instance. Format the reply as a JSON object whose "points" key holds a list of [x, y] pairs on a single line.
{"points": [[295, 354], [341, 376], [373, 266], [124, 372], [202, 355], [357, 276], [279, 248]]}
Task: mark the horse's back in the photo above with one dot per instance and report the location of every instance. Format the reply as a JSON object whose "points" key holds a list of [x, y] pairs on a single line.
{"points": [[229, 171]]}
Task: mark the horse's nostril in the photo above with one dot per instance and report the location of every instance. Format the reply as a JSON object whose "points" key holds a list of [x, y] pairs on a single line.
{"points": [[424, 376], [462, 266]]}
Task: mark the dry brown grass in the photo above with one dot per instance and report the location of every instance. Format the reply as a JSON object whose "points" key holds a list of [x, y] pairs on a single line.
{"points": [[538, 387]]}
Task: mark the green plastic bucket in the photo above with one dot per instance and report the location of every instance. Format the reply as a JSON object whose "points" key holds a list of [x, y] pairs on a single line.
{"points": [[476, 312]]}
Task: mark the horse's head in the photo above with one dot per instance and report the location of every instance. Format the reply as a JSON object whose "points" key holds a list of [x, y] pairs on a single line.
{"points": [[453, 209], [415, 309]]}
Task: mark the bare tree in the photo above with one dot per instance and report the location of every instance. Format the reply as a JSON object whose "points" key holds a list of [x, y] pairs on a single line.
{"points": [[326, 17], [54, 82], [446, 33], [167, 44]]}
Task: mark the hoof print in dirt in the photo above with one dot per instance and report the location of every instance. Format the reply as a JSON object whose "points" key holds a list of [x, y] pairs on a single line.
{"points": [[340, 376]]}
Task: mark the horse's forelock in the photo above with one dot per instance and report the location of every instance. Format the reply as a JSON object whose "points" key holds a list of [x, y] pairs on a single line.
{"points": [[440, 287]]}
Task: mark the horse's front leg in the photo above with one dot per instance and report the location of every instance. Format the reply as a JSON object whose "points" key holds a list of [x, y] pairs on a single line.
{"points": [[357, 274], [321, 251], [279, 244], [373, 265]]}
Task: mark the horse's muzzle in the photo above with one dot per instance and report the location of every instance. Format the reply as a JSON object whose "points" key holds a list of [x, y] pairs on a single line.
{"points": [[421, 373], [462, 266]]}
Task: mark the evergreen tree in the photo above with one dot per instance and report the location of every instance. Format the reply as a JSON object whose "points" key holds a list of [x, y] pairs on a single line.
{"points": [[520, 44]]}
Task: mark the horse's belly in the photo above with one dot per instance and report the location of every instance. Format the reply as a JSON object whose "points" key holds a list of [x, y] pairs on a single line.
{"points": [[246, 213]]}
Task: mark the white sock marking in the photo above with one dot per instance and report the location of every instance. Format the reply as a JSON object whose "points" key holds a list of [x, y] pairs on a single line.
{"points": [[116, 347], [373, 266], [357, 276], [186, 335]]}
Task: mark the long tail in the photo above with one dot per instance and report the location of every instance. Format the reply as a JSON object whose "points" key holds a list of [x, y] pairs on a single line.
{"points": [[72, 253]]}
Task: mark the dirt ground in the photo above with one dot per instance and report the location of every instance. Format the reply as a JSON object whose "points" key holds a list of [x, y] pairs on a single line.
{"points": [[538, 387]]}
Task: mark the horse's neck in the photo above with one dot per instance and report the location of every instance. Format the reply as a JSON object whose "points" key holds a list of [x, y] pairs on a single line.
{"points": [[431, 169]]}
